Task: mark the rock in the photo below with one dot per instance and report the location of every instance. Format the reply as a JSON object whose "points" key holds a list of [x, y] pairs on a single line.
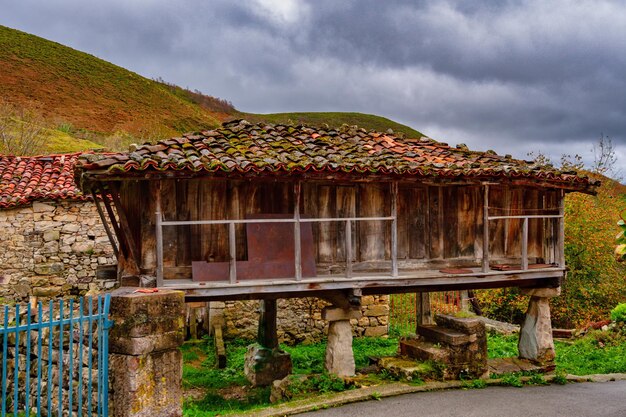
{"points": [[49, 268], [535, 342], [541, 292], [39, 207], [70, 228], [280, 388], [50, 235], [339, 356], [46, 291], [375, 331], [263, 366], [377, 310], [82, 247]]}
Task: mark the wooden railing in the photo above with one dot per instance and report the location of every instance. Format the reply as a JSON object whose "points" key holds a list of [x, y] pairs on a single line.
{"points": [[297, 220], [524, 264]]}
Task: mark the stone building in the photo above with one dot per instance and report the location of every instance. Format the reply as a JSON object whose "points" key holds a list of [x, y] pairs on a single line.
{"points": [[53, 242]]}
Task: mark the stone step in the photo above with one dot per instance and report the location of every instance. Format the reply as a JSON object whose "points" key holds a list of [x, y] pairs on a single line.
{"points": [[438, 334], [423, 351]]}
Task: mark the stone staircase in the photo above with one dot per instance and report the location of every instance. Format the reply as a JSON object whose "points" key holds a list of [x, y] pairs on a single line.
{"points": [[460, 344]]}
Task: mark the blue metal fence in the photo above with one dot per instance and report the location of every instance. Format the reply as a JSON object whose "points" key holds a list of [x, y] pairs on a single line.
{"points": [[55, 358]]}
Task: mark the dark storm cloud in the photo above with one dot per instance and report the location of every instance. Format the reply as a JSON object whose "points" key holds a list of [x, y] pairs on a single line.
{"points": [[512, 76]]}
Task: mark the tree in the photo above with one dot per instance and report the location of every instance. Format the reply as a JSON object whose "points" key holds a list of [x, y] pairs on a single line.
{"points": [[21, 131], [604, 158]]}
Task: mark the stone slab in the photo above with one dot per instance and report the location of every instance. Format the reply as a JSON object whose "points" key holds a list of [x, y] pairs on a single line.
{"points": [[423, 351], [335, 314], [467, 325], [445, 335], [500, 366], [541, 292], [137, 346]]}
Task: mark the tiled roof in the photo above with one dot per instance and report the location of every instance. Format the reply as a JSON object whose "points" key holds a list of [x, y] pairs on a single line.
{"points": [[24, 179], [241, 147]]}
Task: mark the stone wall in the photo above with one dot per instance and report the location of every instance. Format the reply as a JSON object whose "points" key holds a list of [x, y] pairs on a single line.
{"points": [[300, 319], [52, 249]]}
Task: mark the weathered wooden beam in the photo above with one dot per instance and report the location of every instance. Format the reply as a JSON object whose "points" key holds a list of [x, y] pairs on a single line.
{"points": [[530, 216], [116, 227], [159, 237], [296, 232], [394, 229], [125, 227], [267, 333], [348, 248], [104, 175], [105, 223], [258, 289], [486, 229], [285, 220], [232, 249], [561, 235], [525, 244], [422, 309]]}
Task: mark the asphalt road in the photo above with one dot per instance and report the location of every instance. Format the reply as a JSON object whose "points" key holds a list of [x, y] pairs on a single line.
{"points": [[607, 399]]}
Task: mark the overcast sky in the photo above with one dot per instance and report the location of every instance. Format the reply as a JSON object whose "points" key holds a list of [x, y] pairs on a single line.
{"points": [[513, 76]]}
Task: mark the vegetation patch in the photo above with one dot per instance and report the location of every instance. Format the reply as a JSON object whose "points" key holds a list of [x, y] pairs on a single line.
{"points": [[598, 352]]}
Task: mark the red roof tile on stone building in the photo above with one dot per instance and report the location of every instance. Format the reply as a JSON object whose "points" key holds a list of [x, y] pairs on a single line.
{"points": [[265, 149], [24, 179]]}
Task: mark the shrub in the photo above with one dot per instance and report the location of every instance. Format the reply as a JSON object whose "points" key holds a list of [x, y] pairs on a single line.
{"points": [[618, 314]]}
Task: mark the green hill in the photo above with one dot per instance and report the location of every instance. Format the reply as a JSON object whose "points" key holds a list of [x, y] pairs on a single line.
{"points": [[69, 86], [86, 102], [366, 121]]}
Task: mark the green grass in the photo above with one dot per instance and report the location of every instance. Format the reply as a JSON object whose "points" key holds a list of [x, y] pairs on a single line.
{"points": [[334, 120], [226, 391], [596, 353], [199, 373]]}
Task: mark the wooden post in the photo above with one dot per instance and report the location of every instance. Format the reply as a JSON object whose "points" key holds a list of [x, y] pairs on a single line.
{"points": [[348, 248], [394, 229], [422, 309], [107, 229], [525, 244], [232, 244], [296, 232], [159, 237], [268, 335], [561, 236], [116, 227], [486, 229], [125, 227]]}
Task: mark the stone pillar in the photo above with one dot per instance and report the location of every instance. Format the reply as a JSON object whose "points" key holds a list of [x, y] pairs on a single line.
{"points": [[144, 358], [535, 338], [265, 361], [339, 356]]}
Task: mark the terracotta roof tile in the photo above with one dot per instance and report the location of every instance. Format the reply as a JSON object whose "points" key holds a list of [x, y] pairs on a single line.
{"points": [[265, 148], [25, 179]]}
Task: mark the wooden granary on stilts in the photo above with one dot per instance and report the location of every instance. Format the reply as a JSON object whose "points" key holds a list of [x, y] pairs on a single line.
{"points": [[256, 211]]}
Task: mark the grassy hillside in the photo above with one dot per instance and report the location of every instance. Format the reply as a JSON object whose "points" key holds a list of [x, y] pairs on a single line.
{"points": [[69, 86], [366, 121], [88, 103]]}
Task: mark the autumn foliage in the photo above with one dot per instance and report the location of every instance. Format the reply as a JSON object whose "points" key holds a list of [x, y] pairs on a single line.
{"points": [[596, 281]]}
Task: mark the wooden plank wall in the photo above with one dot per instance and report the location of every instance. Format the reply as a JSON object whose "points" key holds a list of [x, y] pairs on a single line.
{"points": [[434, 222]]}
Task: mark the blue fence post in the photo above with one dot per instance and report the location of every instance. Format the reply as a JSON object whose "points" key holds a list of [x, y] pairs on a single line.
{"points": [[5, 340]]}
